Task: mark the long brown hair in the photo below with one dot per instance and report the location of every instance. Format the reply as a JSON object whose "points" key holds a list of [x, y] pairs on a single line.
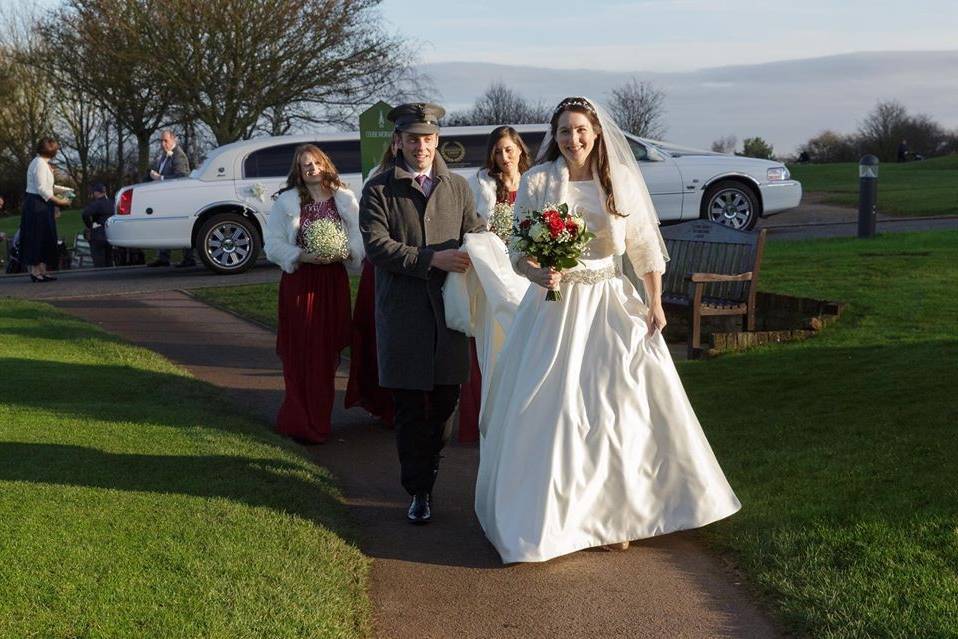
{"points": [[330, 176], [389, 154], [599, 158], [502, 193]]}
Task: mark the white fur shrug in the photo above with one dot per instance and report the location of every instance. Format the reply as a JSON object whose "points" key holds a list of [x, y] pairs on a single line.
{"points": [[282, 225], [484, 190], [639, 239]]}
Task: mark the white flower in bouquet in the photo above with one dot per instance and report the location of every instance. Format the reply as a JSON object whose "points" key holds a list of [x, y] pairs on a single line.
{"points": [[65, 192], [500, 222], [326, 239], [258, 191]]}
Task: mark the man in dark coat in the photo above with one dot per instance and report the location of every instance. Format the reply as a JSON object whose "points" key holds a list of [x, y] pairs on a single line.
{"points": [[413, 217], [170, 164], [95, 215]]}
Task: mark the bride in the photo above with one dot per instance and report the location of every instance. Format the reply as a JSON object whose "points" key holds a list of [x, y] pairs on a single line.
{"points": [[588, 438]]}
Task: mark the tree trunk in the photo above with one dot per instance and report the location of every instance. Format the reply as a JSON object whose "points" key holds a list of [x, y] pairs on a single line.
{"points": [[143, 153]]}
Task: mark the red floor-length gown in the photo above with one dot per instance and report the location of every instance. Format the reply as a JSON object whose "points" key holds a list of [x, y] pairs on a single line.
{"points": [[363, 389], [314, 327], [470, 402]]}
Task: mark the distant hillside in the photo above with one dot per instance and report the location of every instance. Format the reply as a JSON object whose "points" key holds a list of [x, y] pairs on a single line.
{"points": [[783, 102]]}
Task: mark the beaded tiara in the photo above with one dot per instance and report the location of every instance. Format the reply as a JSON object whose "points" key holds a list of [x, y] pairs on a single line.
{"points": [[579, 102]]}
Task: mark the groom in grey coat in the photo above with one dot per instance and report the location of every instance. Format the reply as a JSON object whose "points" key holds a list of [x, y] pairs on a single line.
{"points": [[413, 218]]}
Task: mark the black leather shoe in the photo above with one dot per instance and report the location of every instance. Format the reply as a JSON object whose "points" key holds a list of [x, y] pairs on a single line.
{"points": [[159, 263], [420, 511], [186, 263]]}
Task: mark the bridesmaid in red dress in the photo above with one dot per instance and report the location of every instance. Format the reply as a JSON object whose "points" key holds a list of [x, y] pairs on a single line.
{"points": [[363, 389], [507, 158], [314, 323]]}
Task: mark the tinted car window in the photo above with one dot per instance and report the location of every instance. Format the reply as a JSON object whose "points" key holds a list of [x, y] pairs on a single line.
{"points": [[344, 154], [470, 150], [533, 139], [275, 161], [462, 150], [272, 161], [638, 150]]}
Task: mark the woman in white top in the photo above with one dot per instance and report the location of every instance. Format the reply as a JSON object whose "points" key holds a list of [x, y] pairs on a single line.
{"points": [[38, 226], [588, 436]]}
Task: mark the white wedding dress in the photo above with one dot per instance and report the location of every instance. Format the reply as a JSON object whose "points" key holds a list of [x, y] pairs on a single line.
{"points": [[588, 437]]}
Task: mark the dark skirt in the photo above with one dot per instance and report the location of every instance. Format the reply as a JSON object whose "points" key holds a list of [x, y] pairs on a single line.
{"points": [[470, 401], [313, 329], [38, 232], [364, 389]]}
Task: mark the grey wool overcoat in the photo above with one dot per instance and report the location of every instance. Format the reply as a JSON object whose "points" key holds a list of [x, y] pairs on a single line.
{"points": [[402, 229]]}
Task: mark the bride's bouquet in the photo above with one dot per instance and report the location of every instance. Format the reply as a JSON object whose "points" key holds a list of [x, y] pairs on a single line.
{"points": [[554, 237], [327, 239], [500, 222]]}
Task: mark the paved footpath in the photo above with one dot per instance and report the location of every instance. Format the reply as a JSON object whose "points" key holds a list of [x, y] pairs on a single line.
{"points": [[444, 579]]}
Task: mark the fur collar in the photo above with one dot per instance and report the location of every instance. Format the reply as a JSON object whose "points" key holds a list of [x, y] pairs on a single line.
{"points": [[288, 202]]}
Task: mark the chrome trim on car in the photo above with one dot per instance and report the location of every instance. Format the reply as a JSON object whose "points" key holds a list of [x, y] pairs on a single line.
{"points": [[723, 176], [206, 208]]}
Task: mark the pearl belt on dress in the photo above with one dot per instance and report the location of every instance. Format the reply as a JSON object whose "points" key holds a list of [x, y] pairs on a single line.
{"points": [[592, 276]]}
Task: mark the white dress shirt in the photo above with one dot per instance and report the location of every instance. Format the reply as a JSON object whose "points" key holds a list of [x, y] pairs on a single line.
{"points": [[40, 178]]}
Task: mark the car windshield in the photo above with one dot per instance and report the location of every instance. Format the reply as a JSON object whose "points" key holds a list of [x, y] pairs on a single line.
{"points": [[198, 171]]}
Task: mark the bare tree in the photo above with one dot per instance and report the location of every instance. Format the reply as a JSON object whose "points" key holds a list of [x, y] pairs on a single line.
{"points": [[229, 62], [829, 146], [25, 108], [501, 105], [99, 47], [883, 129], [78, 122], [725, 145], [638, 107]]}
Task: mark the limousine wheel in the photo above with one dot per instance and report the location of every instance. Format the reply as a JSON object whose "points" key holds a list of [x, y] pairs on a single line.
{"points": [[731, 203], [229, 243]]}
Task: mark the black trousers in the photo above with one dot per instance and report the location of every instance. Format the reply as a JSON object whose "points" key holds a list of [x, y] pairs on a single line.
{"points": [[100, 249], [423, 426]]}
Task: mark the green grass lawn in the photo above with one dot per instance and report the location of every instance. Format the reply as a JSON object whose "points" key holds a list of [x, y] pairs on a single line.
{"points": [[842, 448], [135, 502], [929, 187], [255, 301], [69, 224]]}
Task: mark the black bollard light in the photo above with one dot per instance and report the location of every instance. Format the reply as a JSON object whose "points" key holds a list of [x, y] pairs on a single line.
{"points": [[867, 195]]}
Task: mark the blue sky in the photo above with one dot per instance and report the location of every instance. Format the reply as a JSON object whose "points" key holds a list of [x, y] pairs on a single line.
{"points": [[666, 35]]}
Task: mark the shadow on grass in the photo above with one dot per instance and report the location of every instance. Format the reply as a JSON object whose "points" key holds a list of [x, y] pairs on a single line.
{"points": [[114, 393], [260, 482]]}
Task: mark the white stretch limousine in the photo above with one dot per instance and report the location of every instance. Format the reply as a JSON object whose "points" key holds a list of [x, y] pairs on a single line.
{"points": [[221, 208]]}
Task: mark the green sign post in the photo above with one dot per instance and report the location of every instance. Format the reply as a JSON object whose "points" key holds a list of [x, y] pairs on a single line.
{"points": [[375, 133]]}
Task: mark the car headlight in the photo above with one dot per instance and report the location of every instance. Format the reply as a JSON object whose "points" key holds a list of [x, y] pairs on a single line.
{"points": [[777, 174]]}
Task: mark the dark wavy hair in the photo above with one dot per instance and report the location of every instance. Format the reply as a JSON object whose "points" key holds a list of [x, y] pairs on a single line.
{"points": [[599, 157], [502, 193], [330, 176]]}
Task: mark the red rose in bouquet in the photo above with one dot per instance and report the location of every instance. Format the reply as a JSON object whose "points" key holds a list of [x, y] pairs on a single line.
{"points": [[554, 237]]}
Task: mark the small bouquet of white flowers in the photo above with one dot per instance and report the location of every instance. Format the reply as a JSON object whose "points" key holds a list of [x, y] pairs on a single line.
{"points": [[500, 222], [326, 238]]}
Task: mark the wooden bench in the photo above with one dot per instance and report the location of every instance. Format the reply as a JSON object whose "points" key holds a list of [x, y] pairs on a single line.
{"points": [[713, 270]]}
